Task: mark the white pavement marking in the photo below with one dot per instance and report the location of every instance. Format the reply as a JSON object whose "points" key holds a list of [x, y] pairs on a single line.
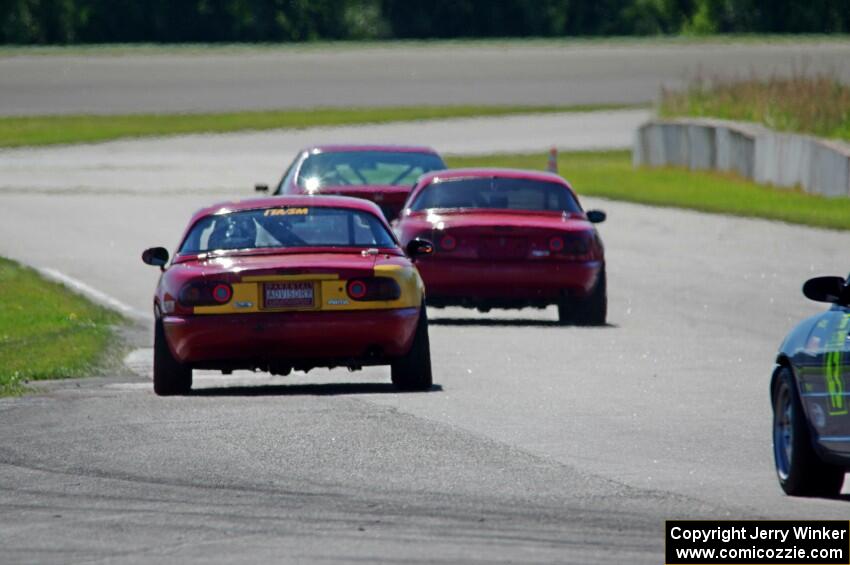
{"points": [[93, 294], [140, 362]]}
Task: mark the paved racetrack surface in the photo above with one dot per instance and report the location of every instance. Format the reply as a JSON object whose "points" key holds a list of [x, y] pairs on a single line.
{"points": [[398, 74], [201, 163], [539, 443]]}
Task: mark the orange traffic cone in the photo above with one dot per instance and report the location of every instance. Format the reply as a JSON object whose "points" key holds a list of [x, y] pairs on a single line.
{"points": [[552, 166]]}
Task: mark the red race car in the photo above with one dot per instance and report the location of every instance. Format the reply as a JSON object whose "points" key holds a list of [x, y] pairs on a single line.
{"points": [[291, 282], [507, 239], [383, 174]]}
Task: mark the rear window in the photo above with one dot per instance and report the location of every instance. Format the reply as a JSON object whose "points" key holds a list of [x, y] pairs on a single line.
{"points": [[287, 227], [357, 168], [496, 193]]}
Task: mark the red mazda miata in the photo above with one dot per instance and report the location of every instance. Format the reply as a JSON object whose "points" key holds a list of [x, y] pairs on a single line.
{"points": [[507, 239], [284, 283], [383, 174]]}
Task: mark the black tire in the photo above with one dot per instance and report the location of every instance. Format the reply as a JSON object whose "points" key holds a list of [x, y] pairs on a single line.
{"points": [[590, 311], [413, 371], [169, 375], [799, 469]]}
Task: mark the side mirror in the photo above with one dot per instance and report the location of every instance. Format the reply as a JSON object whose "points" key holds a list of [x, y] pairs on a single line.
{"points": [[596, 216], [261, 187], [827, 289], [156, 256], [418, 247]]}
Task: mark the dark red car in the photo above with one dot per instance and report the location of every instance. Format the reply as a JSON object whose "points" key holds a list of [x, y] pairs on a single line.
{"points": [[507, 239], [383, 174], [285, 283]]}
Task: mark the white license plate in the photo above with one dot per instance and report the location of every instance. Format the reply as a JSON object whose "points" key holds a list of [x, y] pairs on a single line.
{"points": [[289, 295]]}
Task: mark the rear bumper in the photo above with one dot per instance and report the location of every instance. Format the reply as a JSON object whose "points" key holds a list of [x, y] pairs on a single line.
{"points": [[450, 280], [290, 338]]}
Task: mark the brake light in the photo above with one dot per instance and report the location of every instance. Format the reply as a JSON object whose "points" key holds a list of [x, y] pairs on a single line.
{"points": [[577, 244], [357, 289], [448, 242], [205, 293], [574, 246], [221, 293], [373, 288]]}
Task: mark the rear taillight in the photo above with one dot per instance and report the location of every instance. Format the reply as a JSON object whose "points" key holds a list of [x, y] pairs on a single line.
{"points": [[357, 289], [578, 246], [373, 288], [222, 293], [204, 293], [448, 242]]}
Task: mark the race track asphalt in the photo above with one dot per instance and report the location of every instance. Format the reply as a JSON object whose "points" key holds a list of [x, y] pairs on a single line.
{"points": [[539, 443], [537, 73]]}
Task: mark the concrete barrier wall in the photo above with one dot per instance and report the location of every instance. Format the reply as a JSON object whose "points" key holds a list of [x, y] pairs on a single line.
{"points": [[816, 165]]}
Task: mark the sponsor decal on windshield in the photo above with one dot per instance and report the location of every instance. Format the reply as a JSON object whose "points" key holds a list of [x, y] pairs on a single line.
{"points": [[286, 212]]}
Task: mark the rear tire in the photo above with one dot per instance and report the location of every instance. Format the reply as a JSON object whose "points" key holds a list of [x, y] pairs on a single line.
{"points": [[589, 311], [799, 469], [169, 375], [413, 371]]}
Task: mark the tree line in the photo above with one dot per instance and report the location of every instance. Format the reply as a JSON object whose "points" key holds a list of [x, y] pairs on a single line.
{"points": [[178, 21]]}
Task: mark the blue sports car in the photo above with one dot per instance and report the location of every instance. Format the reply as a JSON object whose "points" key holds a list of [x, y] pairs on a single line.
{"points": [[811, 422]]}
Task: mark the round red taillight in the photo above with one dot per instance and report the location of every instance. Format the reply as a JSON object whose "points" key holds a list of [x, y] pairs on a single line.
{"points": [[357, 289], [448, 242], [556, 244], [222, 293]]}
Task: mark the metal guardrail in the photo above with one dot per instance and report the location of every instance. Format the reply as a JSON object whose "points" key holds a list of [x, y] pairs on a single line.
{"points": [[818, 166]]}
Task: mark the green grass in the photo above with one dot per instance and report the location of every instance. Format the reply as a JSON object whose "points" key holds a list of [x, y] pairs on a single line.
{"points": [[817, 105], [123, 49], [47, 331], [610, 174], [51, 130]]}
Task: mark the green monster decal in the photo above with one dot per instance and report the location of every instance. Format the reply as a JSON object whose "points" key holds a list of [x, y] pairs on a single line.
{"points": [[834, 369]]}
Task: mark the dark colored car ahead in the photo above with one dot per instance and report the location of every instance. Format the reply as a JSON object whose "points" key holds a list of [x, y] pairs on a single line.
{"points": [[383, 174]]}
